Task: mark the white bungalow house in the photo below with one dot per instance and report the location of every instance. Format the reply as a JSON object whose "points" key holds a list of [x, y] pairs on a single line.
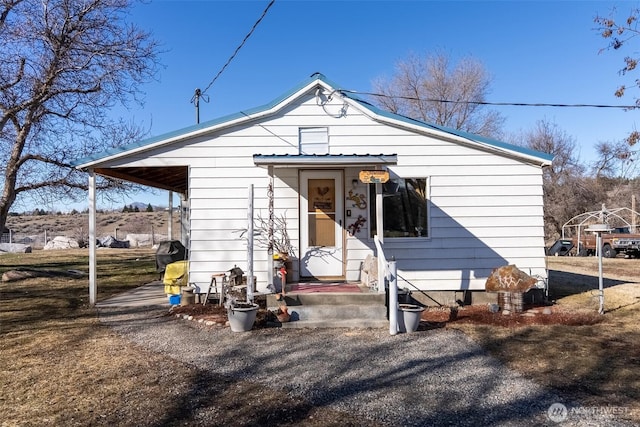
{"points": [[455, 205]]}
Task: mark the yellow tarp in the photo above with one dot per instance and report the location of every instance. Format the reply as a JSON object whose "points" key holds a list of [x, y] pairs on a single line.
{"points": [[176, 275]]}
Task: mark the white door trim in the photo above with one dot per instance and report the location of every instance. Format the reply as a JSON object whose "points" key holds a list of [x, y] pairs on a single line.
{"points": [[322, 261]]}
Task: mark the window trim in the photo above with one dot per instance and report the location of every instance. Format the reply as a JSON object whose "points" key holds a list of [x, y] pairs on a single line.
{"points": [[310, 130], [372, 227]]}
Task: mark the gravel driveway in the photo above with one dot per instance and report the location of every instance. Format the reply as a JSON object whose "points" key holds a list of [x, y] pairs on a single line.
{"points": [[434, 377]]}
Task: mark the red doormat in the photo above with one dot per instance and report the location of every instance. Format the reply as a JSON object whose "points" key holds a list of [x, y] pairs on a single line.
{"points": [[324, 287]]}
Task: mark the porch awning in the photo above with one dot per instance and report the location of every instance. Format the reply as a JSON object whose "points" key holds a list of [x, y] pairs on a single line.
{"points": [[323, 160]]}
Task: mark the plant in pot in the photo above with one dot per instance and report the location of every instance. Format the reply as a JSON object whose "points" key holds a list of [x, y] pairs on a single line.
{"points": [[241, 314]]}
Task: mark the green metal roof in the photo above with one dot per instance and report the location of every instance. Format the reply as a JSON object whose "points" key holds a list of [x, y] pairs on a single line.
{"points": [[324, 159], [543, 157]]}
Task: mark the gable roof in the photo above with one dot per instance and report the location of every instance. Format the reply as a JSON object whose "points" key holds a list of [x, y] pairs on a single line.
{"points": [[316, 79], [480, 140], [204, 127], [174, 178]]}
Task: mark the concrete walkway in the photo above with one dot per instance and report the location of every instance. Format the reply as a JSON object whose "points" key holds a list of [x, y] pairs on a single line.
{"points": [[149, 295]]}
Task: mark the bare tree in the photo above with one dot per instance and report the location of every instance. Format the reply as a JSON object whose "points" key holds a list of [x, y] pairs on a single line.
{"points": [[435, 90], [548, 137], [63, 64], [619, 32], [567, 191], [615, 160], [614, 172]]}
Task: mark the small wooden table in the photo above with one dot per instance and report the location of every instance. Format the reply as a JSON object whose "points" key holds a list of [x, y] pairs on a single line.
{"points": [[214, 285]]}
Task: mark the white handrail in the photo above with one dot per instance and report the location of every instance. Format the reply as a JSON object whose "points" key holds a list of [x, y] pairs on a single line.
{"points": [[383, 265], [384, 275]]}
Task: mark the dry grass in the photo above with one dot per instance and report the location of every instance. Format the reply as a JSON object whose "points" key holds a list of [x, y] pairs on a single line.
{"points": [[62, 367], [598, 363]]}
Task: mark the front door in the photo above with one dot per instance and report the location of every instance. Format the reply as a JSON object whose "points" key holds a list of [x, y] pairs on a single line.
{"points": [[321, 211]]}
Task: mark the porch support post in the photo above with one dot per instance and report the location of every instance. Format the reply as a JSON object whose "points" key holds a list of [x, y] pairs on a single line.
{"points": [[393, 297], [93, 284], [185, 234], [270, 194], [250, 246], [170, 226], [379, 233]]}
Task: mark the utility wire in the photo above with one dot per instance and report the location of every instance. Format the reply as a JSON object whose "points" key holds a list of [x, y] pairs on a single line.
{"points": [[513, 104], [239, 46]]}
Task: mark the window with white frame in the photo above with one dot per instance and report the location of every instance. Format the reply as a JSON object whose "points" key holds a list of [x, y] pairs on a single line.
{"points": [[404, 206], [314, 140]]}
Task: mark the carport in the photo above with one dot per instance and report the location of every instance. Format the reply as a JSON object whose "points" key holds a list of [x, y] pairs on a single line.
{"points": [[171, 178]]}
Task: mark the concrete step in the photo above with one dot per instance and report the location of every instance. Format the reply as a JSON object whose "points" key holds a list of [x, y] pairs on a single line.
{"points": [[336, 315], [332, 309], [348, 323], [333, 298]]}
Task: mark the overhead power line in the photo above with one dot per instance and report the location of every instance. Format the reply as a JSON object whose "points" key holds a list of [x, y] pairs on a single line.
{"points": [[510, 104], [239, 46], [201, 94]]}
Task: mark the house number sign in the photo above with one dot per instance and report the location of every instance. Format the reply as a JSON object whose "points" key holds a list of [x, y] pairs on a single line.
{"points": [[374, 177]]}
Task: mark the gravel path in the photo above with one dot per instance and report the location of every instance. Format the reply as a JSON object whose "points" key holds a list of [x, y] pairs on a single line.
{"points": [[436, 377]]}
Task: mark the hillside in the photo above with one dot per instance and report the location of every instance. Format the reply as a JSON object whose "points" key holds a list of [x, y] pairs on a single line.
{"points": [[116, 224]]}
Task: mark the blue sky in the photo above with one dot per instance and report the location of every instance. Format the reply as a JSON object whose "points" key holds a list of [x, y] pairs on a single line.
{"points": [[536, 52]]}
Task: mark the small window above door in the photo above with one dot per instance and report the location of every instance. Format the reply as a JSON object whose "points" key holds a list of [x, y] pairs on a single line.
{"points": [[314, 140]]}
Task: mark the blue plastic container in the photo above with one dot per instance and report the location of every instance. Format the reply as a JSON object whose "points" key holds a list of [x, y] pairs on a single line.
{"points": [[174, 299]]}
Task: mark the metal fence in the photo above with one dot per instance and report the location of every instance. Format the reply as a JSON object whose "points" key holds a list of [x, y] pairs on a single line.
{"points": [[36, 241], [39, 240]]}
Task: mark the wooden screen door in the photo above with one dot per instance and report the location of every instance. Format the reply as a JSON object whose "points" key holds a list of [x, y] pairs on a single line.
{"points": [[321, 217]]}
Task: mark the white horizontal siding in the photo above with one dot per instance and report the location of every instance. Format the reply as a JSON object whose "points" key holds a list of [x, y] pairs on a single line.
{"points": [[417, 257], [469, 202], [482, 232], [483, 211], [219, 202], [493, 180], [486, 191], [357, 250], [495, 243], [486, 209]]}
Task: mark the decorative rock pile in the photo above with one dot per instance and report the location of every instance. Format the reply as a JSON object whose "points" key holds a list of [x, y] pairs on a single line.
{"points": [[511, 283]]}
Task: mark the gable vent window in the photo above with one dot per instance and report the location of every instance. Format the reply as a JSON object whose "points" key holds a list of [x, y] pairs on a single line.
{"points": [[314, 141]]}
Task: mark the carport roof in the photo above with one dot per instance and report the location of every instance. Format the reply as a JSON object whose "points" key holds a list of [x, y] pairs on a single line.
{"points": [[170, 178]]}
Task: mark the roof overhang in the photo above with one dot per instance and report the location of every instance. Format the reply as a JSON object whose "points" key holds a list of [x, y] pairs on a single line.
{"points": [[170, 178], [323, 160], [209, 127], [315, 82], [454, 135]]}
